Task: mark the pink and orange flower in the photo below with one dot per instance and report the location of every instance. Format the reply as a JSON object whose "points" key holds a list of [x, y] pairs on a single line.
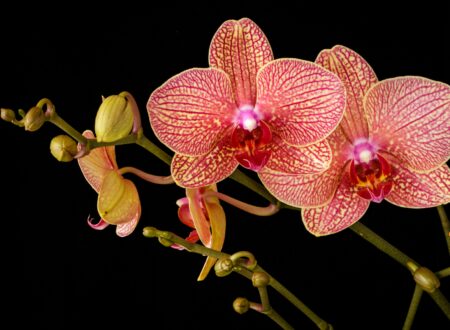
{"points": [[392, 143], [248, 109]]}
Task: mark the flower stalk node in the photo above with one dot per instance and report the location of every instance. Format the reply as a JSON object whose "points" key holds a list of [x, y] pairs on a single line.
{"points": [[424, 277]]}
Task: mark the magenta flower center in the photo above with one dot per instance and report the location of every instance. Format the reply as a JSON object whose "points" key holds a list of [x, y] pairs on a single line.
{"points": [[370, 173], [250, 140]]}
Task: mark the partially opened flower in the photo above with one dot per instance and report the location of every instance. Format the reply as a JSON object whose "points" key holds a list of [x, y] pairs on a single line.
{"points": [[118, 199], [205, 215], [247, 109], [392, 143]]}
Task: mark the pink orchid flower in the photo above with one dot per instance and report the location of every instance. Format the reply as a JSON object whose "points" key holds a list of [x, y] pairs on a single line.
{"points": [[247, 109], [392, 143], [204, 214], [118, 199]]}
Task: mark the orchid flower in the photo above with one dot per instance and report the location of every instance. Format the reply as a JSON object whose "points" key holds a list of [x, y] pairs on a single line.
{"points": [[207, 218], [118, 199], [392, 143], [248, 109]]}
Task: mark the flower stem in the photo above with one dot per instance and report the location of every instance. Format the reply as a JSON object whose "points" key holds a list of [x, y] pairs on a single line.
{"points": [[443, 273], [381, 243], [148, 145], [56, 120], [199, 249], [442, 302], [445, 225], [413, 307]]}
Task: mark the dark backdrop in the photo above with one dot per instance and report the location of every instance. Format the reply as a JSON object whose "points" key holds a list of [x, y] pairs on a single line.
{"points": [[61, 274]]}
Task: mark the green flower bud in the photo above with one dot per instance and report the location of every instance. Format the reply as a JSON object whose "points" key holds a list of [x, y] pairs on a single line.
{"points": [[114, 119], [260, 279], [241, 305], [223, 267], [8, 115], [34, 119], [63, 148]]}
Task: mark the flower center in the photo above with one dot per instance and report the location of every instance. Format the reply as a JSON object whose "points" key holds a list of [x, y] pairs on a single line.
{"points": [[250, 139], [370, 173]]}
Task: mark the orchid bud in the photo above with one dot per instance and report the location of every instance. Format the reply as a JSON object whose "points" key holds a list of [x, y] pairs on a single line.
{"points": [[114, 119], [63, 148], [223, 267], [34, 119], [260, 279], [8, 115], [241, 305]]}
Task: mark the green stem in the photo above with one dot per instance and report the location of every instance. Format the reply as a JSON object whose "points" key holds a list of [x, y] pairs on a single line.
{"points": [[443, 273], [445, 225], [148, 145], [413, 307], [381, 243], [243, 179], [56, 120], [199, 249], [278, 319], [441, 301]]}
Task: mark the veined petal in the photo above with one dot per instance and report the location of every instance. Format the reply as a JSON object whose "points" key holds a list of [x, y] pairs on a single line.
{"points": [[218, 224], [302, 101], [344, 210], [420, 190], [303, 190], [97, 163], [125, 229], [410, 117], [196, 172], [292, 160], [118, 199], [191, 111], [240, 48], [358, 77]]}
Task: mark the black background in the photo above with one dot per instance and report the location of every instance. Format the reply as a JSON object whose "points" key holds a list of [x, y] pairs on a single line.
{"points": [[60, 274]]}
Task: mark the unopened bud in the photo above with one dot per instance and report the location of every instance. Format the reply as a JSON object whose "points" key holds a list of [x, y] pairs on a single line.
{"points": [[8, 115], [426, 279], [63, 148], [223, 267], [241, 305], [34, 119], [260, 279], [114, 119]]}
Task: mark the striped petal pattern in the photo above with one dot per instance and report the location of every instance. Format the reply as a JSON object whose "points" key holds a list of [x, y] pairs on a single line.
{"points": [[420, 190], [190, 112], [301, 101], [345, 209], [240, 48], [410, 117], [358, 77]]}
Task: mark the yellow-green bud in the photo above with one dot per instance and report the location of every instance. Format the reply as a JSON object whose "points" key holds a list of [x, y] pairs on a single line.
{"points": [[8, 115], [241, 305], [223, 267], [63, 148], [114, 119], [34, 119], [427, 280], [260, 279]]}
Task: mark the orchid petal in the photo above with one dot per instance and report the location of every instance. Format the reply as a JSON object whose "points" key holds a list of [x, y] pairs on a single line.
{"points": [[420, 190], [191, 111], [292, 160], [97, 163], [118, 200], [344, 210], [125, 229], [201, 223], [303, 190], [100, 225], [218, 224], [300, 100], [314, 189], [358, 77], [196, 172], [240, 48], [410, 118]]}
